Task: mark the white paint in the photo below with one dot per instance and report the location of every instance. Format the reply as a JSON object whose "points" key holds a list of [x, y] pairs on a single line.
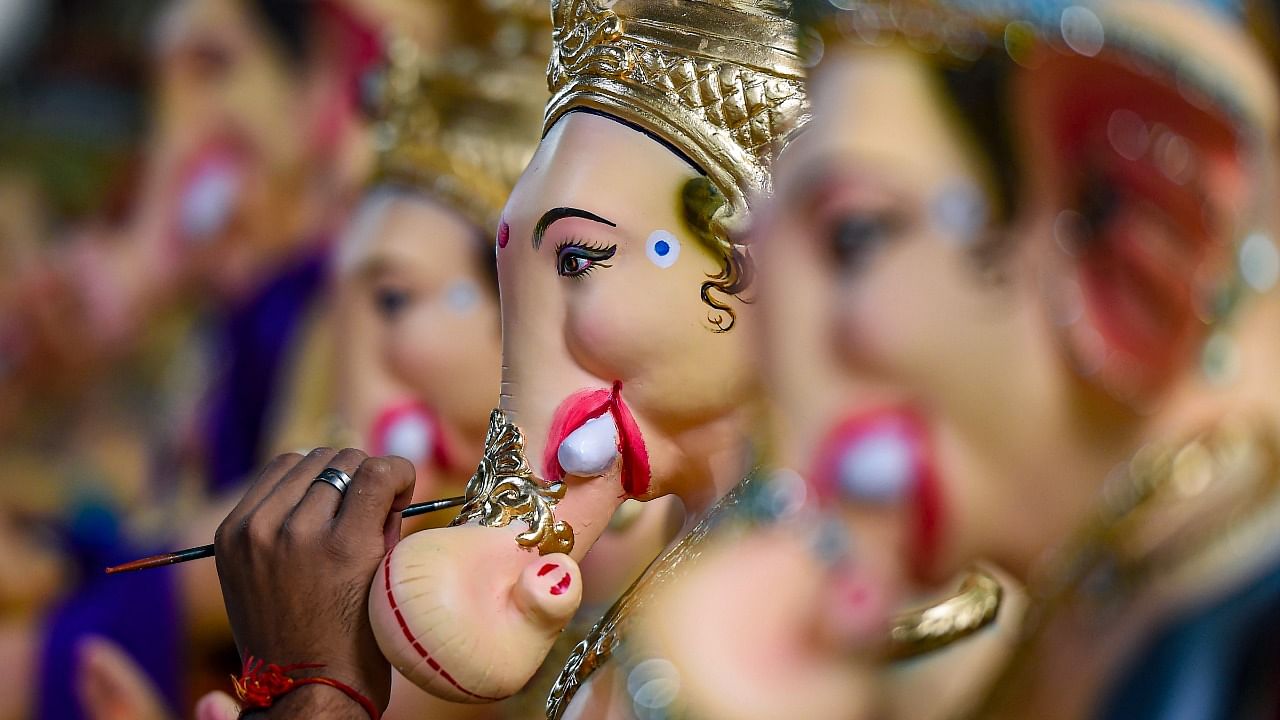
{"points": [[461, 296], [662, 248], [961, 213], [878, 468], [590, 450], [412, 437], [209, 200]]}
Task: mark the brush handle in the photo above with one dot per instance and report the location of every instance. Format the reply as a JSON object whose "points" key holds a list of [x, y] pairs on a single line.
{"points": [[206, 551]]}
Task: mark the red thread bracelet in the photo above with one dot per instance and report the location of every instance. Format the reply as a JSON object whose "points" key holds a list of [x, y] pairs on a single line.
{"points": [[260, 685]]}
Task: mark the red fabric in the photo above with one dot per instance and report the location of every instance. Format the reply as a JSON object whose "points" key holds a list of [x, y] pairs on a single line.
{"points": [[260, 685]]}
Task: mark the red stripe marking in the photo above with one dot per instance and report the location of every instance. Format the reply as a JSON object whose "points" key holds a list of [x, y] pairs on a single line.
{"points": [[547, 568], [391, 598], [561, 586]]}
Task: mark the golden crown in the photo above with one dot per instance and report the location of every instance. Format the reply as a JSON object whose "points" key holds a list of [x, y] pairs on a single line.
{"points": [[463, 125], [720, 80]]}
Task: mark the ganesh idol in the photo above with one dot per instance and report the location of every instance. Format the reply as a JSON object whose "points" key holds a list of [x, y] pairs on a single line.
{"points": [[1018, 293], [626, 373]]}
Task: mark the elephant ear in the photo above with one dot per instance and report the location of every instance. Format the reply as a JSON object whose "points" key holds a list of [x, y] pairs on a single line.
{"points": [[1147, 181]]}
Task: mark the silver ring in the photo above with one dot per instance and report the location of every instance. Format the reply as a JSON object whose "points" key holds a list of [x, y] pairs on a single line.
{"points": [[335, 477]]}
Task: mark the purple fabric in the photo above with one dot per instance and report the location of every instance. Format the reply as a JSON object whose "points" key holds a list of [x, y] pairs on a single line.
{"points": [[253, 342], [139, 611]]}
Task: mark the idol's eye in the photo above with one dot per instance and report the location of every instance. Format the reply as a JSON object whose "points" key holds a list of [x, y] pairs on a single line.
{"points": [[855, 236], [578, 259], [391, 301]]}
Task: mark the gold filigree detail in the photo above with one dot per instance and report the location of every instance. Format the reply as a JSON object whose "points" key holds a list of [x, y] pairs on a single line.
{"points": [[721, 82], [973, 607], [504, 489], [606, 635]]}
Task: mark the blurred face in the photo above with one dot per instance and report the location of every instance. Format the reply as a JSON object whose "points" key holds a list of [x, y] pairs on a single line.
{"points": [[230, 109], [434, 322], [893, 363], [956, 405], [612, 361]]}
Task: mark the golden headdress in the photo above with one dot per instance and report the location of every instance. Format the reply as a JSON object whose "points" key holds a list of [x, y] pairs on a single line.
{"points": [[720, 80], [463, 125]]}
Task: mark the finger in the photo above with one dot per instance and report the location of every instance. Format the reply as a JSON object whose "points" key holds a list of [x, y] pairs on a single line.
{"points": [[380, 489], [262, 485], [319, 501], [217, 706], [278, 507]]}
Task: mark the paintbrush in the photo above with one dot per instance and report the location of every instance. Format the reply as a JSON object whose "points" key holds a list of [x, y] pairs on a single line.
{"points": [[205, 551]]}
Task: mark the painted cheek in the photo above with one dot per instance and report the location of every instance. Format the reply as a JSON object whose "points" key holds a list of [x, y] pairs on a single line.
{"points": [[595, 336]]}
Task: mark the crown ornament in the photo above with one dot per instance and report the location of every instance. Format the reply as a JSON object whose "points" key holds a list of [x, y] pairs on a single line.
{"points": [[719, 80], [462, 124]]}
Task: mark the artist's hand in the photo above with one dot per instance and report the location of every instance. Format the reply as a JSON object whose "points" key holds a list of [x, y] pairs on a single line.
{"points": [[295, 559]]}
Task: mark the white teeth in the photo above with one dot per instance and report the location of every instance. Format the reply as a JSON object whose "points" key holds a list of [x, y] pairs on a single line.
{"points": [[878, 468], [590, 450], [411, 437]]}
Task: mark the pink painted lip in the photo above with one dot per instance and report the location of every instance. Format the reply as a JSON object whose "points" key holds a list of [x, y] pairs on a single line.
{"points": [[924, 493], [389, 418], [586, 405]]}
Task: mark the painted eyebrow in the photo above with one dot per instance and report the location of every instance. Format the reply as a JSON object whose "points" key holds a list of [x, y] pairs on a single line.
{"points": [[561, 213]]}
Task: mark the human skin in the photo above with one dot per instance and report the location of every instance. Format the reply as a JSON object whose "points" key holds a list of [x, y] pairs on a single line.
{"points": [[313, 551], [1017, 432], [572, 325], [416, 313]]}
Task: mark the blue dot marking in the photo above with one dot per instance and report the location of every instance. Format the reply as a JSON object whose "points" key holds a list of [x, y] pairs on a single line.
{"points": [[662, 248]]}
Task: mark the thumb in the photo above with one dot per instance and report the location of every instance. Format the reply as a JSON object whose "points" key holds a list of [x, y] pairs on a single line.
{"points": [[217, 706]]}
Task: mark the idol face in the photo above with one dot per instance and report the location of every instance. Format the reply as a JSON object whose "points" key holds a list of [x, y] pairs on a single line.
{"points": [[608, 342], [622, 381], [888, 353], [959, 372], [235, 123], [421, 281]]}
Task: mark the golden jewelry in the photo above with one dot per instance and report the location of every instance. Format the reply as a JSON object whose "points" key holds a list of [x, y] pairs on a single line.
{"points": [[720, 81], [1158, 518], [974, 606], [504, 489], [606, 635], [462, 126]]}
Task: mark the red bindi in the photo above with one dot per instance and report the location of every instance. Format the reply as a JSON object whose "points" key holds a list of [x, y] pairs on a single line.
{"points": [[504, 234]]}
